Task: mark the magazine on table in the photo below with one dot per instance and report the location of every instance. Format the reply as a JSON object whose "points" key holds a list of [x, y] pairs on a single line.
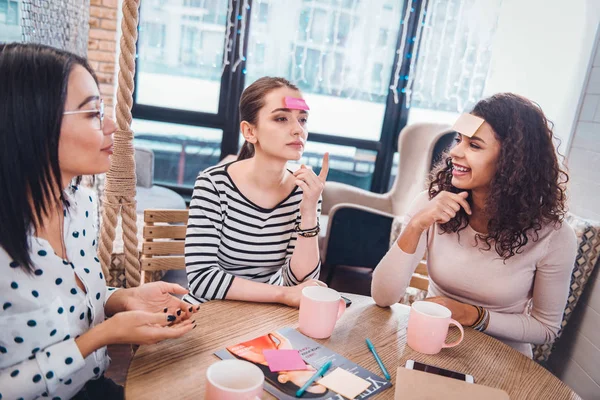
{"points": [[284, 384]]}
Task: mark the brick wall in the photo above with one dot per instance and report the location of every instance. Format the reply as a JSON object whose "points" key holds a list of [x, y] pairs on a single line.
{"points": [[102, 47]]}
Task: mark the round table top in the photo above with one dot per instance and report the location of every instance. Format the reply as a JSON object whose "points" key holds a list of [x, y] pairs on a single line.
{"points": [[175, 369]]}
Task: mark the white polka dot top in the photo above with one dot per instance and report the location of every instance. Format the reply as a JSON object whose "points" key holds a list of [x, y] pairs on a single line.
{"points": [[42, 313]]}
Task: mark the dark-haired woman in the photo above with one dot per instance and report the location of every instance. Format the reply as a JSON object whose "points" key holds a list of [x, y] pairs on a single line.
{"points": [[253, 225], [53, 296], [499, 255]]}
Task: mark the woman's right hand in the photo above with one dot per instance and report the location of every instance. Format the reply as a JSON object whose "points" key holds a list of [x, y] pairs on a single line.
{"points": [[133, 327], [293, 294], [143, 327], [441, 209]]}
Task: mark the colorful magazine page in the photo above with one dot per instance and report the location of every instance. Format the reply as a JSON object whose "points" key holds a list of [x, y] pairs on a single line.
{"points": [[284, 384]]}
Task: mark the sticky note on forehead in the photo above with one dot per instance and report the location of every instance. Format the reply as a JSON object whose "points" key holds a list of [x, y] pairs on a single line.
{"points": [[294, 103], [467, 124]]}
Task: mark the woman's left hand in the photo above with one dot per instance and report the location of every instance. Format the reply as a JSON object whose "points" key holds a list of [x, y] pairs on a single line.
{"points": [[465, 314], [158, 297], [311, 185]]}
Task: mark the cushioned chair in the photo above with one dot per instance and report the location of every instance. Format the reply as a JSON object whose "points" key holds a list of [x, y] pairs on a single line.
{"points": [[588, 258], [358, 221]]}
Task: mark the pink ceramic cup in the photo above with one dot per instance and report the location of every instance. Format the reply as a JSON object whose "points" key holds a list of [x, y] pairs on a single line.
{"points": [[428, 325], [234, 380], [320, 309]]}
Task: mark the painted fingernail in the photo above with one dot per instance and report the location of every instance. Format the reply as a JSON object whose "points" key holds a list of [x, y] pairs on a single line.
{"points": [[178, 312], [190, 309], [165, 310], [171, 318]]}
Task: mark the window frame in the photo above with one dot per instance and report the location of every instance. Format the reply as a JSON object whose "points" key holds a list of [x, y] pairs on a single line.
{"points": [[232, 86]]}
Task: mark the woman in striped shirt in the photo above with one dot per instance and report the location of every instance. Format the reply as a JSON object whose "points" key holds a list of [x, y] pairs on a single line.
{"points": [[253, 225]]}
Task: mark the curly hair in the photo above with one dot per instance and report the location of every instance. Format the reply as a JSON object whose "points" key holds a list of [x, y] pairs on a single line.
{"points": [[528, 189]]}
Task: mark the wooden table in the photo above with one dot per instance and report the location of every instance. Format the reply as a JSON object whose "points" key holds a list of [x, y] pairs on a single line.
{"points": [[176, 369]]}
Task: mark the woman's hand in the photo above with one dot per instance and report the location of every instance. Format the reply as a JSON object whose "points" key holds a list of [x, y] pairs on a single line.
{"points": [[293, 294], [132, 327], [311, 185], [143, 327], [465, 314], [441, 209], [158, 297]]}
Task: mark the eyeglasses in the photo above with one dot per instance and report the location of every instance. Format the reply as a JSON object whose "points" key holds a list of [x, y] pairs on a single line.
{"points": [[100, 112]]}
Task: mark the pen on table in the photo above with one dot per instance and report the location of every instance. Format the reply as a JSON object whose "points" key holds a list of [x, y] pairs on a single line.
{"points": [[383, 369], [313, 378]]}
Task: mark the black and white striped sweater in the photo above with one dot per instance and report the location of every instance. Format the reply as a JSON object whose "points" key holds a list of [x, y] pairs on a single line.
{"points": [[228, 236]]}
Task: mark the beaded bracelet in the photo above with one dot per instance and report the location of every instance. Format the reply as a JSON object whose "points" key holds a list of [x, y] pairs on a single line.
{"points": [[308, 233]]}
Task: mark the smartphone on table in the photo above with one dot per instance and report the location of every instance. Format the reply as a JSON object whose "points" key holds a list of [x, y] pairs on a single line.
{"points": [[412, 364]]}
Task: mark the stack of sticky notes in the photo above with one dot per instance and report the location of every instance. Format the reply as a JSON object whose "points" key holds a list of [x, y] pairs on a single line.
{"points": [[284, 360], [339, 380], [345, 383]]}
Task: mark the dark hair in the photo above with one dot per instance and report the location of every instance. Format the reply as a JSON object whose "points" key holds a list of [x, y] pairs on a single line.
{"points": [[33, 91], [253, 99], [528, 189]]}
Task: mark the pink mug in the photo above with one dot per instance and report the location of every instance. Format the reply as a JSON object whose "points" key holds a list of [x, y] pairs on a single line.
{"points": [[234, 380], [428, 325], [320, 309]]}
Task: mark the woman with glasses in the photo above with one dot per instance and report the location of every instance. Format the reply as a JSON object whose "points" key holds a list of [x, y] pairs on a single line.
{"points": [[53, 296]]}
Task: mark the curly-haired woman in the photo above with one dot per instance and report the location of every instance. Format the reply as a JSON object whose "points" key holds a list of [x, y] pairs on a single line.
{"points": [[499, 255]]}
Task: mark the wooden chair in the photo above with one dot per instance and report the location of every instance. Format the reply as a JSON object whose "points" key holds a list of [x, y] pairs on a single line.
{"points": [[163, 247]]}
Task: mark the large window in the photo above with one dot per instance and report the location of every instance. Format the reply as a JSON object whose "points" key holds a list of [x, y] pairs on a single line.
{"points": [[180, 51], [366, 68], [327, 48], [10, 30], [179, 150]]}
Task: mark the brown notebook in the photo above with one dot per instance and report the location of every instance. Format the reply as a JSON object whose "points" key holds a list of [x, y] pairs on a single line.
{"points": [[418, 385]]}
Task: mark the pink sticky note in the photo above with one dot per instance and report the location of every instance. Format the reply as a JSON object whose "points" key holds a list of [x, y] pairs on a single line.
{"points": [[295, 103], [284, 360]]}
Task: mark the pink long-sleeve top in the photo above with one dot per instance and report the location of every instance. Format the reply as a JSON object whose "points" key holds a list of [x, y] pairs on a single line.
{"points": [[526, 295]]}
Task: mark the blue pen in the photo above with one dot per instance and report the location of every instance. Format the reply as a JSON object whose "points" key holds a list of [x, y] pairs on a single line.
{"points": [[383, 369], [313, 378]]}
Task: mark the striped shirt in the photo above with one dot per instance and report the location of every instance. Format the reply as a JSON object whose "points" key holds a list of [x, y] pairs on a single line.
{"points": [[229, 236]]}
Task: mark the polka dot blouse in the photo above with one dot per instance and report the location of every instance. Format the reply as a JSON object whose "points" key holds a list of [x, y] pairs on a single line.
{"points": [[42, 313]]}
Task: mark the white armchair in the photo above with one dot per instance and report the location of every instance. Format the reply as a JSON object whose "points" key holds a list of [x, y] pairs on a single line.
{"points": [[359, 222]]}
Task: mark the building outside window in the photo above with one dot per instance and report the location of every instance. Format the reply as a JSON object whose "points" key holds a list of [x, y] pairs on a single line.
{"points": [[340, 53]]}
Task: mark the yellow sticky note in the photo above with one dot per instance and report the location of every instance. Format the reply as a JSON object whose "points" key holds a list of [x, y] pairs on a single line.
{"points": [[345, 383], [467, 124]]}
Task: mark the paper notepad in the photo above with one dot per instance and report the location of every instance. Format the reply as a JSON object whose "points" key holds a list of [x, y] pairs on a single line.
{"points": [[345, 383], [418, 385], [284, 360]]}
